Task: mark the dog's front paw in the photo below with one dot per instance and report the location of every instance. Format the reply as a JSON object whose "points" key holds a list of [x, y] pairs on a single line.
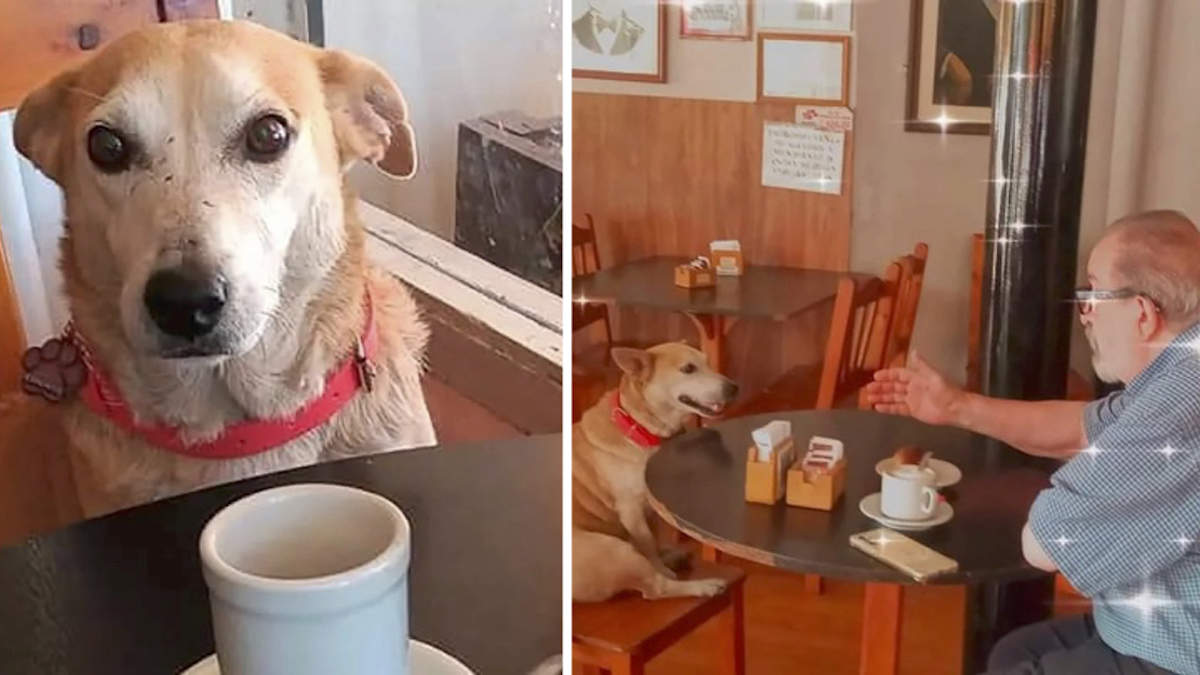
{"points": [[53, 371], [709, 587]]}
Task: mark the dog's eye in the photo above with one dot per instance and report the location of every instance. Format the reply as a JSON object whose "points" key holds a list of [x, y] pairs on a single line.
{"points": [[688, 369], [267, 138], [108, 150]]}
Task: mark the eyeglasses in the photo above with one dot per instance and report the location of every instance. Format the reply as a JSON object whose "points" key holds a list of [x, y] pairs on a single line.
{"points": [[1087, 297]]}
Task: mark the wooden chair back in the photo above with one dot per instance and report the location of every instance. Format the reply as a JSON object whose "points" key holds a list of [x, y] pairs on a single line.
{"points": [[585, 259], [908, 301], [585, 254], [856, 346]]}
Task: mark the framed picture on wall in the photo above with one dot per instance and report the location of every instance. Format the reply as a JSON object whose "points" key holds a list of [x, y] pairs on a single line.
{"points": [[951, 58], [716, 19], [805, 15], [804, 69], [619, 39]]}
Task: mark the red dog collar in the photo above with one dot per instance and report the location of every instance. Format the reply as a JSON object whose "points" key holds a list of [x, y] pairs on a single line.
{"points": [[630, 427], [251, 436]]}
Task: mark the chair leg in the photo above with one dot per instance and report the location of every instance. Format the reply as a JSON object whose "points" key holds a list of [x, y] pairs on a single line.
{"points": [[733, 634], [630, 665], [883, 606], [814, 584], [589, 669], [709, 553]]}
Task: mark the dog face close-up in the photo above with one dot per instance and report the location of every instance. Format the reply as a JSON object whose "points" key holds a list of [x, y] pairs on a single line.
{"points": [[202, 170], [679, 376]]}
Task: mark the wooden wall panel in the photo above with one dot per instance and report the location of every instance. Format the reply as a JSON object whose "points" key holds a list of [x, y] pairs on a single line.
{"points": [[667, 176], [12, 332]]}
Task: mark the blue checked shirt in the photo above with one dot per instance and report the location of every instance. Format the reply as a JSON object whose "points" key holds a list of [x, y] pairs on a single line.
{"points": [[1122, 520]]}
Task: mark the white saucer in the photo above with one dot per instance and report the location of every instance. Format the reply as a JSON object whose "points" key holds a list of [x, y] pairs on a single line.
{"points": [[947, 473], [423, 659], [870, 507]]}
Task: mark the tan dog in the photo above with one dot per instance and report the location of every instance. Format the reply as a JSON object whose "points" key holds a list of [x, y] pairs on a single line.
{"points": [[614, 549], [213, 262]]}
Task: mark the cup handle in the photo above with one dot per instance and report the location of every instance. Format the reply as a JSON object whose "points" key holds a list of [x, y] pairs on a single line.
{"points": [[931, 497]]}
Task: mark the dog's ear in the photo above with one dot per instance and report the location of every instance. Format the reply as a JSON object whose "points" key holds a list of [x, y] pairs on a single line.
{"points": [[638, 363], [370, 117], [40, 125]]}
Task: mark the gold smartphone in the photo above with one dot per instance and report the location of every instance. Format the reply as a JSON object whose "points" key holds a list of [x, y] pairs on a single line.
{"points": [[907, 555]]}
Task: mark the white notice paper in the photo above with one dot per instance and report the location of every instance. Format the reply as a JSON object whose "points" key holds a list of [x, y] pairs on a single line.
{"points": [[802, 158]]}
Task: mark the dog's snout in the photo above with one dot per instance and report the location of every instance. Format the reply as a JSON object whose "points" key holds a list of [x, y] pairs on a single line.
{"points": [[186, 301], [730, 389]]}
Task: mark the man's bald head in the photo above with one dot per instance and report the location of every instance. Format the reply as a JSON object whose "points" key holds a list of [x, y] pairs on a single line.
{"points": [[1157, 253]]}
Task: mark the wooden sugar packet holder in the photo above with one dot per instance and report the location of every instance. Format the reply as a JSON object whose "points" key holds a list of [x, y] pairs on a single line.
{"points": [[822, 492], [765, 481], [768, 482], [687, 276]]}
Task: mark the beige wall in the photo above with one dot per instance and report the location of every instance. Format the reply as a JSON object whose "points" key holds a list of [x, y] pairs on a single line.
{"points": [[907, 186], [1171, 174], [454, 60], [932, 187]]}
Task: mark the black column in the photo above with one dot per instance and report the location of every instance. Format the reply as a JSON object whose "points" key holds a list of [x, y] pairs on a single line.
{"points": [[1041, 100]]}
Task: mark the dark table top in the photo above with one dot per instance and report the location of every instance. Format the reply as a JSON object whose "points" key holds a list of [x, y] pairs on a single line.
{"points": [[123, 594], [697, 480], [762, 291]]}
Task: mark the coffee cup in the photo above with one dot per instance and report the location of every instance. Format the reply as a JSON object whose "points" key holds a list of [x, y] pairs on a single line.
{"points": [[909, 493], [309, 579]]}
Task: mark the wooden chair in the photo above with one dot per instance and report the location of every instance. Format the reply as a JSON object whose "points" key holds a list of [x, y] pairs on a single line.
{"points": [[585, 259], [908, 300], [619, 636], [1079, 388], [857, 344], [591, 375]]}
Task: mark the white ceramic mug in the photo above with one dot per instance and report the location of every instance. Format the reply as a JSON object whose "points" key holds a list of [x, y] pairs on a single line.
{"points": [[909, 493], [309, 579]]}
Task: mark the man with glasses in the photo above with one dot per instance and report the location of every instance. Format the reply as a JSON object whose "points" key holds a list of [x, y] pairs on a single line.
{"points": [[1121, 519]]}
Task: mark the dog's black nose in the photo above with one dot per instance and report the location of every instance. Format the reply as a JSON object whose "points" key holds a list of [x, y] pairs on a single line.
{"points": [[731, 389], [185, 302]]}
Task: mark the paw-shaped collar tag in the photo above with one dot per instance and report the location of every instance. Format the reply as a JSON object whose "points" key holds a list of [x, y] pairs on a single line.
{"points": [[55, 371]]}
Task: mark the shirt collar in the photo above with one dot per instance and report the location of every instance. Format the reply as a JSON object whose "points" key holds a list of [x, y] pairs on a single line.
{"points": [[1183, 346]]}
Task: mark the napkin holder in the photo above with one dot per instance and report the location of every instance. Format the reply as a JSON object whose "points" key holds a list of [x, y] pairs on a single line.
{"points": [[727, 258], [688, 276], [766, 480], [821, 490]]}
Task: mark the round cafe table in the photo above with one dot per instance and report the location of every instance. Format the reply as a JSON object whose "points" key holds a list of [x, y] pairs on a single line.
{"points": [[697, 483], [124, 595]]}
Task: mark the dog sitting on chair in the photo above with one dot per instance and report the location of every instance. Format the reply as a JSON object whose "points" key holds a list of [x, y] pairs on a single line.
{"points": [[224, 320], [614, 549]]}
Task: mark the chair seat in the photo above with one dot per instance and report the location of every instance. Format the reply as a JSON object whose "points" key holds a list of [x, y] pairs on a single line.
{"points": [[630, 624], [795, 390]]}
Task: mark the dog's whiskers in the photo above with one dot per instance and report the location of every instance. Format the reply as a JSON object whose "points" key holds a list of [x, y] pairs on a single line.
{"points": [[84, 92]]}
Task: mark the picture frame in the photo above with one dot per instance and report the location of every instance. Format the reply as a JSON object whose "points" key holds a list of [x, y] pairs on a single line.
{"points": [[825, 81], [715, 19], [619, 40], [951, 58], [805, 15]]}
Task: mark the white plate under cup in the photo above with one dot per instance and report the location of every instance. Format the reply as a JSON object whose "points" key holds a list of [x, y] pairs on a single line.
{"points": [[309, 579]]}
